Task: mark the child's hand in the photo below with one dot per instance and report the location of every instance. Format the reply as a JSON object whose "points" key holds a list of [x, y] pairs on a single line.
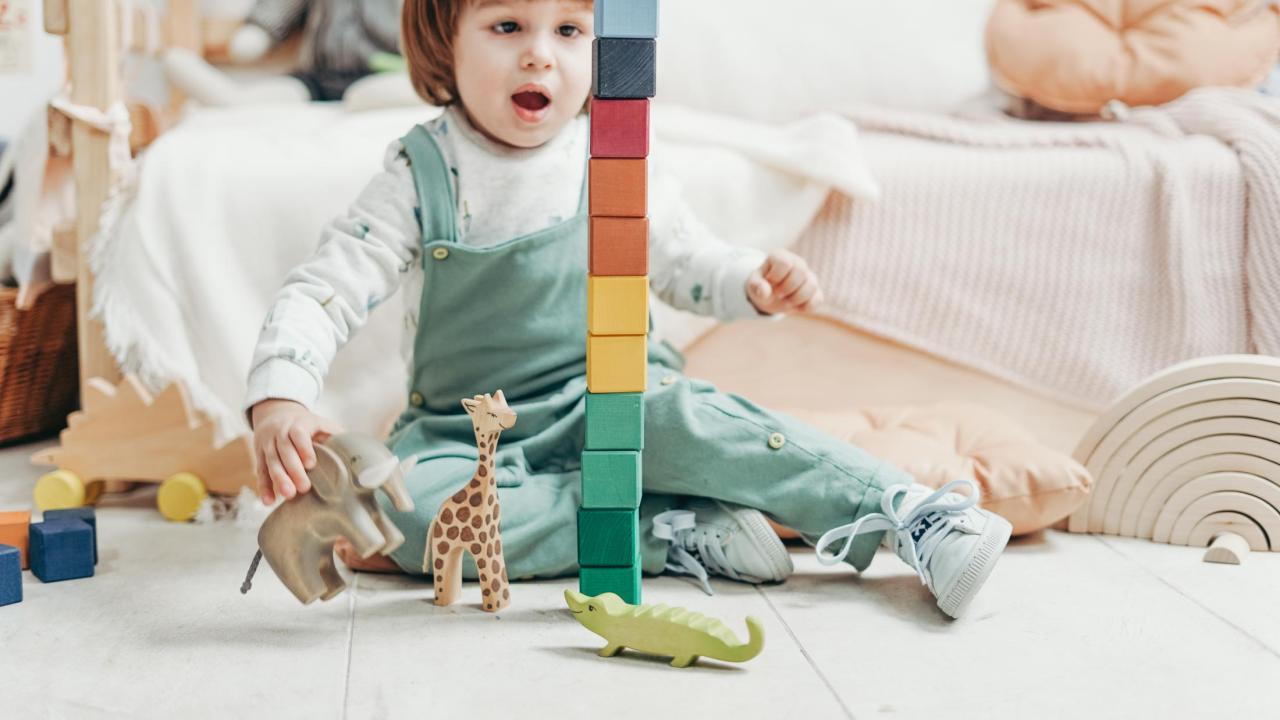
{"points": [[784, 282], [283, 433]]}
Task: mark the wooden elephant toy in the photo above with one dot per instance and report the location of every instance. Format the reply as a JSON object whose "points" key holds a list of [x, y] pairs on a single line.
{"points": [[297, 537]]}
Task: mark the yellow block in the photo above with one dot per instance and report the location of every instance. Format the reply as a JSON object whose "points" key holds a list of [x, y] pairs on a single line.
{"points": [[617, 305], [616, 363]]}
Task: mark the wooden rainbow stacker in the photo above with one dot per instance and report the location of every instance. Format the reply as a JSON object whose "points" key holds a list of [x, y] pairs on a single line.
{"points": [[623, 81]]}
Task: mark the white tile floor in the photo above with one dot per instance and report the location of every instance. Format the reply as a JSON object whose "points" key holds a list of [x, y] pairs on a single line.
{"points": [[1068, 626]]}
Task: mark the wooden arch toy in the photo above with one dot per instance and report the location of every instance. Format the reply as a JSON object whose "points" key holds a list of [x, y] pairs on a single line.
{"points": [[1190, 455]]}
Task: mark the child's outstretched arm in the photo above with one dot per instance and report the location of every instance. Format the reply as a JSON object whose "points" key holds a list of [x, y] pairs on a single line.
{"points": [[362, 259], [692, 269]]}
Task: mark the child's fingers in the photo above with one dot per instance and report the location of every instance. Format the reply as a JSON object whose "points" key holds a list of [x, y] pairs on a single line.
{"points": [[264, 480], [790, 284], [326, 428], [300, 436], [291, 462], [279, 478], [776, 268], [803, 298]]}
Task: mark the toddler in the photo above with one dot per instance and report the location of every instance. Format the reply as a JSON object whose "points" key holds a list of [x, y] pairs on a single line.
{"points": [[480, 215]]}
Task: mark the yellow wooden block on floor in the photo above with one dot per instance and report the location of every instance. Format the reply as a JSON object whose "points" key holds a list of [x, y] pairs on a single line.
{"points": [[617, 305], [616, 363]]}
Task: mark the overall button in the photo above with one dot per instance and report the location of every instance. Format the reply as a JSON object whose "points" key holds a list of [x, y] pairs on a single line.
{"points": [[416, 399], [440, 253], [777, 440]]}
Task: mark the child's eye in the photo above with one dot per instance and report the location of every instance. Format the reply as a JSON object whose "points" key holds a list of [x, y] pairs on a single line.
{"points": [[568, 30], [506, 27]]}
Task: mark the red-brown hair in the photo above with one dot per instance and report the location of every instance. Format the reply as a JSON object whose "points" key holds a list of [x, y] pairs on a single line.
{"points": [[427, 28]]}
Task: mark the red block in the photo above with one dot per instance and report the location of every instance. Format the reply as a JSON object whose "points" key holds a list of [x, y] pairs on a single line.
{"points": [[619, 246], [620, 128]]}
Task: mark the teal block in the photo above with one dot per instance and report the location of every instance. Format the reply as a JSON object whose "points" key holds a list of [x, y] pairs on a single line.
{"points": [[626, 18], [625, 582], [611, 479], [608, 538], [615, 421]]}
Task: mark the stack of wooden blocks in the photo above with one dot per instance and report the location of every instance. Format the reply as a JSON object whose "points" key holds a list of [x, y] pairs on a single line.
{"points": [[623, 81]]}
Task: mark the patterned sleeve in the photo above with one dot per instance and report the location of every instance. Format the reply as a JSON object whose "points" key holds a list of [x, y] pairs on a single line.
{"points": [[280, 18], [692, 269], [362, 259]]}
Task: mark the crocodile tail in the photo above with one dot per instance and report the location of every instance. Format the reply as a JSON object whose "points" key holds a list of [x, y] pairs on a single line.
{"points": [[753, 645]]}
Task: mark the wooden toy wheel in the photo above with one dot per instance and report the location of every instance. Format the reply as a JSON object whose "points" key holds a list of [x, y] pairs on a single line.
{"points": [[59, 490], [180, 496]]}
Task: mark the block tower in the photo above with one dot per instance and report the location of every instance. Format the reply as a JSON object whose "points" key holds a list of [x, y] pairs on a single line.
{"points": [[623, 81]]}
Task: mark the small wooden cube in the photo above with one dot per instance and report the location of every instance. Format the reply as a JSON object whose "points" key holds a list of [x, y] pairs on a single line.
{"points": [[619, 187], [624, 582], [10, 575], [81, 513], [608, 538], [615, 421], [619, 128], [626, 18], [617, 305], [617, 363], [61, 550], [624, 68], [611, 479], [14, 530], [619, 246]]}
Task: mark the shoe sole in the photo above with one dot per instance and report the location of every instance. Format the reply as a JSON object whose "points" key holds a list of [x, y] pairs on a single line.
{"points": [[992, 542], [754, 524]]}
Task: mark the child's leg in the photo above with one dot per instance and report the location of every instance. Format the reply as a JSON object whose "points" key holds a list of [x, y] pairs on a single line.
{"points": [[699, 441]]}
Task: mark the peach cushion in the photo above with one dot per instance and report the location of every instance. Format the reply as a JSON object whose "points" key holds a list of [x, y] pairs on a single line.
{"points": [[1076, 55], [1028, 483]]}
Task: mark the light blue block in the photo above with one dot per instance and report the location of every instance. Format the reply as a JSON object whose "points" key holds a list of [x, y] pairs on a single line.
{"points": [[627, 18]]}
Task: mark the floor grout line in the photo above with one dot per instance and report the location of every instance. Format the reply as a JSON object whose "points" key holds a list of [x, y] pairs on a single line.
{"points": [[808, 658], [351, 635], [1270, 650]]}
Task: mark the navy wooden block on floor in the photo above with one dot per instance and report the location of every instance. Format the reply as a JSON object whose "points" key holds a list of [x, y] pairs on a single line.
{"points": [[624, 67], [10, 575], [61, 550], [81, 513]]}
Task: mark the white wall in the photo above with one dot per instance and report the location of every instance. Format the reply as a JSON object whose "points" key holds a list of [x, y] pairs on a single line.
{"points": [[23, 93]]}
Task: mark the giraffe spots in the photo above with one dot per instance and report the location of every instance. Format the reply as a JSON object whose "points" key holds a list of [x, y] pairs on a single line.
{"points": [[452, 533], [459, 496], [495, 585], [484, 472], [484, 458], [488, 549], [497, 567], [446, 515], [439, 563], [498, 546], [506, 594], [475, 483], [443, 547], [464, 513], [438, 531], [476, 521], [496, 511], [475, 499], [480, 562], [484, 536], [491, 499], [475, 550], [467, 535], [486, 594]]}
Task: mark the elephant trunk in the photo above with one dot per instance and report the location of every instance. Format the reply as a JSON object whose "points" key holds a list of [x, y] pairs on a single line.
{"points": [[395, 489]]}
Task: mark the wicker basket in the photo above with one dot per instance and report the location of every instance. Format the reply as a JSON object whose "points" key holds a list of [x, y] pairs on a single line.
{"points": [[39, 375]]}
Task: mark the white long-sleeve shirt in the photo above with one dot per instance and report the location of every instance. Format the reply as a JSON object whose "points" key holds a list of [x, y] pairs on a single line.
{"points": [[502, 193]]}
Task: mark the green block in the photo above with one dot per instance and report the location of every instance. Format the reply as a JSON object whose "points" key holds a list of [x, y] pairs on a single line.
{"points": [[608, 538], [611, 479], [615, 421], [623, 581]]}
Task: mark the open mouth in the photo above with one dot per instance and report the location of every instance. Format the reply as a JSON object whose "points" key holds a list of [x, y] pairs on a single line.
{"points": [[531, 103]]}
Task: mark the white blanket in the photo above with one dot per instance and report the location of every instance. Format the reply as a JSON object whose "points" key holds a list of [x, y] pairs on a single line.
{"points": [[231, 199]]}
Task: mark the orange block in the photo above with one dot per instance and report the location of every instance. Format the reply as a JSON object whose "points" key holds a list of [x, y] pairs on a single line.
{"points": [[619, 246], [14, 528], [619, 187]]}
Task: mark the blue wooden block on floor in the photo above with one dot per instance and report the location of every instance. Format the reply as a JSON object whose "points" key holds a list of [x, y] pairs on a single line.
{"points": [[626, 18], [624, 68], [611, 479], [61, 550], [608, 538], [10, 575], [81, 513]]}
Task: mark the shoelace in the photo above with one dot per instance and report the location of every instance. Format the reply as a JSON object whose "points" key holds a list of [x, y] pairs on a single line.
{"points": [[692, 552], [922, 529]]}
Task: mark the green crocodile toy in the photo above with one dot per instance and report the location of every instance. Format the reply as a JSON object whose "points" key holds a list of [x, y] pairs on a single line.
{"points": [[662, 630]]}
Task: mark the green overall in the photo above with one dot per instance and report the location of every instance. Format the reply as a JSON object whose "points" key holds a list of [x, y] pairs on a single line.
{"points": [[512, 316]]}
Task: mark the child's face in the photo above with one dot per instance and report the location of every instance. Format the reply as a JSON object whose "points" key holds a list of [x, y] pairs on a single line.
{"points": [[523, 67]]}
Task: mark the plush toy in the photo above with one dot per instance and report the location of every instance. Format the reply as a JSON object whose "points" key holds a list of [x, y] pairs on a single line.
{"points": [[342, 43]]}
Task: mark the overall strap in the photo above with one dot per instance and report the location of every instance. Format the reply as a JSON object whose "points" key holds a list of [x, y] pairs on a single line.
{"points": [[434, 182]]}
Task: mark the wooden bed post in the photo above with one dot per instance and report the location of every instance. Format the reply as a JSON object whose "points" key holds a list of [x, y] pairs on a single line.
{"points": [[93, 63]]}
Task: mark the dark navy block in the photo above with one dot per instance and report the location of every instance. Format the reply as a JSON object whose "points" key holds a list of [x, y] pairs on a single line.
{"points": [[10, 575], [61, 550], [81, 513], [624, 67]]}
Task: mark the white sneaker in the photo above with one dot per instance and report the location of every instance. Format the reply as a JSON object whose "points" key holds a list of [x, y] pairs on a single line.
{"points": [[952, 544], [710, 536]]}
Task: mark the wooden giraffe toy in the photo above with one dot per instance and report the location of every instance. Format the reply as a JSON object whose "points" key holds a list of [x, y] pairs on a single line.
{"points": [[468, 521]]}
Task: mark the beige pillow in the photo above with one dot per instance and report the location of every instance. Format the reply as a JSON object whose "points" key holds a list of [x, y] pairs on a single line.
{"points": [[1029, 484], [1074, 56]]}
